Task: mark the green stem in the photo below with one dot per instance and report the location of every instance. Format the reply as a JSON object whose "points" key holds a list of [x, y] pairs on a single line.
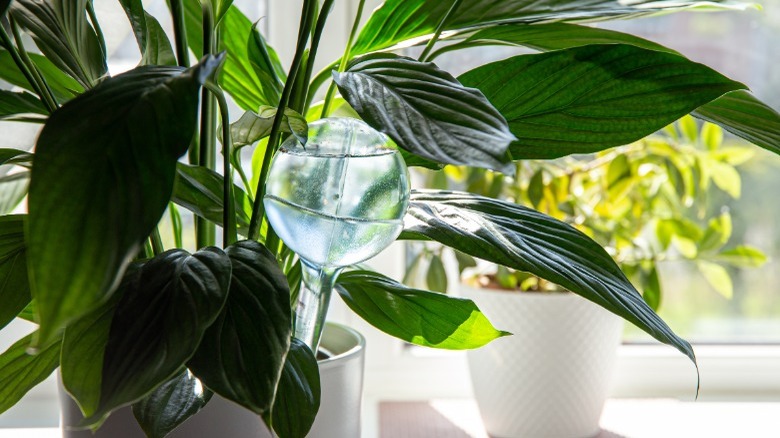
{"points": [[230, 235], [241, 174], [21, 63], [344, 59], [180, 33], [322, 19], [258, 210], [148, 250], [157, 245], [439, 29], [96, 25], [176, 225], [205, 230]]}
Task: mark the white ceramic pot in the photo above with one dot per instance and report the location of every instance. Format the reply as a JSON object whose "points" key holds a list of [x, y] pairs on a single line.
{"points": [[552, 377], [341, 377]]}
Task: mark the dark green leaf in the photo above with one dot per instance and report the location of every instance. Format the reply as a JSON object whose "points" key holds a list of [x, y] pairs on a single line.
{"points": [[426, 111], [199, 190], [16, 105], [536, 188], [590, 98], [13, 188], [527, 240], [171, 404], [166, 307], [400, 20], [14, 286], [63, 86], [555, 36], [252, 127], [15, 156], [4, 4], [743, 115], [298, 397], [83, 351], [101, 183], [423, 318], [266, 65], [238, 76], [651, 287], [64, 35], [242, 354], [436, 278], [152, 41], [20, 372]]}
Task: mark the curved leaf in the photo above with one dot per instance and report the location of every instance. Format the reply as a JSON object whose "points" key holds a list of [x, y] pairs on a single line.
{"points": [[423, 318], [20, 372], [243, 352], [298, 397], [15, 156], [253, 126], [63, 86], [166, 307], [100, 184], [13, 189], [743, 115], [589, 98], [171, 404], [64, 35], [152, 41], [14, 286], [426, 111], [14, 105], [400, 20], [527, 240]]}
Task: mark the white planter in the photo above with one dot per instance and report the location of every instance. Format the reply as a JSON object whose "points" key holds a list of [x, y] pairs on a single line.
{"points": [[552, 377], [341, 377]]}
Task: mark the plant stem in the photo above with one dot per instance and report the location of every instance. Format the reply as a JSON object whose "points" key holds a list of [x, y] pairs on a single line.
{"points": [[258, 210], [344, 59], [180, 33], [230, 235], [96, 26], [439, 29], [205, 230], [157, 245], [322, 19], [25, 69], [176, 224], [241, 174]]}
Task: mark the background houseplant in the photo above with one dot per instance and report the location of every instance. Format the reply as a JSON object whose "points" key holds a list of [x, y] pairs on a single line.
{"points": [[99, 185], [647, 203]]}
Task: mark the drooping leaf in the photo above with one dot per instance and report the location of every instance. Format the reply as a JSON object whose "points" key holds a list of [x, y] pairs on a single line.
{"points": [[14, 286], [396, 21], [166, 306], [421, 317], [238, 76], [589, 98], [527, 240], [298, 397], [62, 32], [100, 184], [242, 354], [426, 111], [251, 127], [13, 189], [742, 114], [63, 86], [20, 372], [199, 190], [152, 41], [21, 106], [171, 404]]}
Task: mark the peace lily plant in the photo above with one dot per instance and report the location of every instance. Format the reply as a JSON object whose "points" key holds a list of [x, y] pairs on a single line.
{"points": [[129, 321]]}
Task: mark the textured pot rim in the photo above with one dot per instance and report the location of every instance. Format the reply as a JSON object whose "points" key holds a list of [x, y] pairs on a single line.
{"points": [[352, 353]]}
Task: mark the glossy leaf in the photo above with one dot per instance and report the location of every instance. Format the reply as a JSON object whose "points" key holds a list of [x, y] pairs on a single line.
{"points": [[396, 21], [298, 397], [421, 317], [252, 127], [166, 307], [590, 98], [63, 86], [105, 183], [426, 111], [20, 372], [14, 286], [21, 105], [744, 115], [152, 41], [171, 404], [199, 190], [62, 32], [527, 240], [242, 354], [238, 76]]}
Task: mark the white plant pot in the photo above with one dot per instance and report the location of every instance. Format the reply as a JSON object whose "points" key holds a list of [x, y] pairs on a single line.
{"points": [[341, 378], [552, 377]]}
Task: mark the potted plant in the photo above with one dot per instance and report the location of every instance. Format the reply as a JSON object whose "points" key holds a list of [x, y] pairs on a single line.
{"points": [[647, 203], [129, 320]]}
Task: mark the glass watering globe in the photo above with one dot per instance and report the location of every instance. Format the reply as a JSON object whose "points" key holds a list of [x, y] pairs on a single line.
{"points": [[337, 201]]}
